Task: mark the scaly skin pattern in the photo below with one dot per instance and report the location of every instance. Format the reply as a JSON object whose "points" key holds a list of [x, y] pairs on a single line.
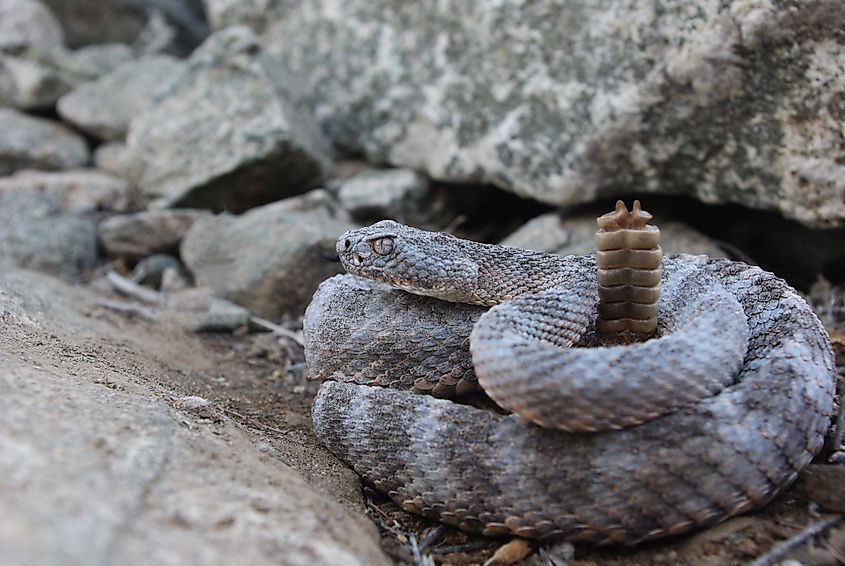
{"points": [[663, 467]]}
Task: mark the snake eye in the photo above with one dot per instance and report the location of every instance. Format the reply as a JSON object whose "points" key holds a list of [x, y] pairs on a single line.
{"points": [[382, 246]]}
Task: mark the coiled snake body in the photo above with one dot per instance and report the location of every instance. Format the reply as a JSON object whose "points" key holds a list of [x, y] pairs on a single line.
{"points": [[606, 443]]}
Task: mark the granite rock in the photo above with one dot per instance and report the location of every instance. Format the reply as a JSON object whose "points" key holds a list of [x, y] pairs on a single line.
{"points": [[269, 259], [35, 78], [148, 232], [225, 135], [100, 21], [28, 142], [573, 235], [104, 459], [737, 101], [399, 194], [112, 157], [105, 107], [80, 190], [36, 233], [26, 23]]}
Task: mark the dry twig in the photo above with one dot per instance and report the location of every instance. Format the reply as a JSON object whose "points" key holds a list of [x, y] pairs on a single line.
{"points": [[779, 550]]}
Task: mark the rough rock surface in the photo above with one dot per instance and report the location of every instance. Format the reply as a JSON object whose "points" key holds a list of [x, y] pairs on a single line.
{"points": [[270, 259], [25, 23], [28, 142], [100, 21], [148, 232], [27, 83], [35, 232], [81, 190], [105, 460], [735, 101], [225, 135], [112, 157], [400, 194], [35, 78], [568, 235], [105, 107]]}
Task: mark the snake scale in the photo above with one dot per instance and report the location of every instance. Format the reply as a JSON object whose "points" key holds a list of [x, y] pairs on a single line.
{"points": [[606, 443]]}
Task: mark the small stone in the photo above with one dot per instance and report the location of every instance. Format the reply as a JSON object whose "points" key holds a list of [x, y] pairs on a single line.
{"points": [[226, 135], [398, 194], [105, 107], [112, 157], [153, 231], [269, 259], [80, 190], [191, 403], [151, 270], [29, 142]]}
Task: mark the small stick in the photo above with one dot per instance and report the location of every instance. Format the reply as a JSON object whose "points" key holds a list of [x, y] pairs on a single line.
{"points": [[130, 308], [276, 329], [432, 536], [131, 289], [779, 550], [252, 422]]}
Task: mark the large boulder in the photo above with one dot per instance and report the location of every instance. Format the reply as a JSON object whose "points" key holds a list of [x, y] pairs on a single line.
{"points": [[269, 259], [105, 107], [565, 102], [104, 460], [27, 142], [225, 134]]}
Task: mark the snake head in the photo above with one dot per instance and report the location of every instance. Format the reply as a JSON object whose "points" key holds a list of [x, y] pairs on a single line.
{"points": [[420, 262]]}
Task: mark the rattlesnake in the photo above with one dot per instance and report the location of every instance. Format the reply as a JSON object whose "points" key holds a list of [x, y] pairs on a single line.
{"points": [[713, 417]]}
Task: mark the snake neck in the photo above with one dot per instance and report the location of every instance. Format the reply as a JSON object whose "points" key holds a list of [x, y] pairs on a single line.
{"points": [[504, 273]]}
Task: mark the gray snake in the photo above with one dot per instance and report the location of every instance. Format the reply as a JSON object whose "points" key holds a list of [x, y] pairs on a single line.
{"points": [[606, 443]]}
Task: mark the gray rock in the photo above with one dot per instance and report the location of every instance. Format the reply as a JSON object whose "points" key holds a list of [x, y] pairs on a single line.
{"points": [[101, 21], [36, 233], [573, 235], [225, 135], [27, 142], [151, 270], [97, 60], [270, 259], [36, 78], [257, 14], [81, 190], [735, 101], [113, 157], [28, 84], [149, 232], [28, 22], [105, 107], [198, 310], [400, 194], [100, 464]]}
